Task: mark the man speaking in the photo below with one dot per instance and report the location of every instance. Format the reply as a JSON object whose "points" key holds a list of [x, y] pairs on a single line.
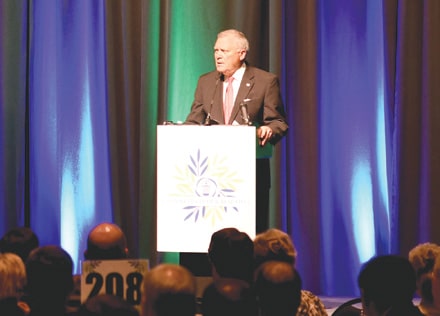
{"points": [[236, 94]]}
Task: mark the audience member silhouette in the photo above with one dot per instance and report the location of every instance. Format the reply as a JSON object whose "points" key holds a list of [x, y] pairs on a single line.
{"points": [[422, 258], [106, 305], [276, 245], [168, 290], [231, 255], [388, 284], [232, 262], [19, 240], [278, 287], [12, 283], [106, 241], [49, 280]]}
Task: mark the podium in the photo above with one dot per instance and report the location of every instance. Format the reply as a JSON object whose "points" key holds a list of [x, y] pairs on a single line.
{"points": [[205, 182]]}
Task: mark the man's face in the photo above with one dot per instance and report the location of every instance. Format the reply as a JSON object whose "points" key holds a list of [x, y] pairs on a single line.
{"points": [[228, 58]]}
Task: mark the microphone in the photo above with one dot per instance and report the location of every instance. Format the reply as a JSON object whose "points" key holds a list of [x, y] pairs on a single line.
{"points": [[208, 120], [245, 113]]}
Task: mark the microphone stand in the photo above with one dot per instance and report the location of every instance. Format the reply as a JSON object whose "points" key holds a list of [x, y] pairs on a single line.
{"points": [[208, 120], [245, 113]]}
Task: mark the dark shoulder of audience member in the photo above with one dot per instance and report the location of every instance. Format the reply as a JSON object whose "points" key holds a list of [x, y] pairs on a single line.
{"points": [[19, 240], [231, 254], [106, 241], [278, 287], [49, 280], [227, 296], [106, 305], [388, 285]]}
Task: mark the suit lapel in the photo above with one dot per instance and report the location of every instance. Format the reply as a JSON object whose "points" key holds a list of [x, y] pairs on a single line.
{"points": [[217, 111], [246, 85]]}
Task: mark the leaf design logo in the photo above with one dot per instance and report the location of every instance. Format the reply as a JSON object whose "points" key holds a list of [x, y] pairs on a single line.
{"points": [[211, 182]]}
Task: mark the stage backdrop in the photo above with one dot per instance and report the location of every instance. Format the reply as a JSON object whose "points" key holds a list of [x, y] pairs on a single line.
{"points": [[83, 85]]}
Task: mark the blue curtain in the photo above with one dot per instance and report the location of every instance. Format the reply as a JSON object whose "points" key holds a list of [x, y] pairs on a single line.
{"points": [[70, 186], [355, 219]]}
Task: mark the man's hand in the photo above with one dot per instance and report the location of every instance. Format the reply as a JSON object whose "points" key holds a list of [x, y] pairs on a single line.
{"points": [[264, 134]]}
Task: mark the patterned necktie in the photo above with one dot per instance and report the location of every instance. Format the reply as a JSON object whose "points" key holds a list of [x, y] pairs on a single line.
{"points": [[229, 100]]}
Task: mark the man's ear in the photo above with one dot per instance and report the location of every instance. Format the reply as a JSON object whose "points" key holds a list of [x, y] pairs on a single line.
{"points": [[242, 54]]}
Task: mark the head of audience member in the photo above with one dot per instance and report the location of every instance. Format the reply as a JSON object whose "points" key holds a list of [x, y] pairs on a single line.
{"points": [[49, 280], [12, 283], [274, 244], [19, 240], [106, 305], [231, 254], [422, 258], [168, 290], [278, 288], [106, 241], [229, 297], [388, 284], [12, 276]]}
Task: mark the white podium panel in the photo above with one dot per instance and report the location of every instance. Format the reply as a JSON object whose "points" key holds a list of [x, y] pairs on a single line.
{"points": [[205, 182]]}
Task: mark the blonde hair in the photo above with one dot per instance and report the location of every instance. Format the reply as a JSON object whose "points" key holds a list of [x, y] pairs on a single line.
{"points": [[12, 276], [274, 244], [422, 257]]}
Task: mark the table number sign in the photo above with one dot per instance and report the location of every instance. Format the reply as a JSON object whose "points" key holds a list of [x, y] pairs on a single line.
{"points": [[117, 277]]}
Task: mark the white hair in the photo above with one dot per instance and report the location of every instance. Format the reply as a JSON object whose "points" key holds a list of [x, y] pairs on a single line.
{"points": [[240, 39]]}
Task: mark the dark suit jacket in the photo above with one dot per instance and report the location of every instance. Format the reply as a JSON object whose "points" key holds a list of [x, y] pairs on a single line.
{"points": [[259, 89]]}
